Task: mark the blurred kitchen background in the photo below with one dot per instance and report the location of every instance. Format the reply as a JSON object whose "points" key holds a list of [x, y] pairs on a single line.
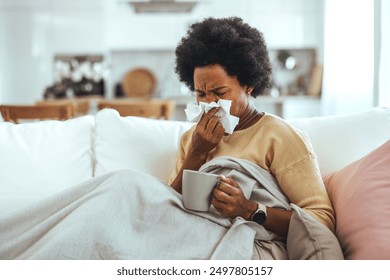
{"points": [[328, 56]]}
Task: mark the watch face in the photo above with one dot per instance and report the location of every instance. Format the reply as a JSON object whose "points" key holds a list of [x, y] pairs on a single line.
{"points": [[259, 217]]}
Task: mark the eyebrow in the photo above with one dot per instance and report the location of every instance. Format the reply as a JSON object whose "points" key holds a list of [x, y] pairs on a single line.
{"points": [[213, 89]]}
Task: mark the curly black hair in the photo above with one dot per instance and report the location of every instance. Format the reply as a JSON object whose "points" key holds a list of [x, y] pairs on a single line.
{"points": [[239, 48]]}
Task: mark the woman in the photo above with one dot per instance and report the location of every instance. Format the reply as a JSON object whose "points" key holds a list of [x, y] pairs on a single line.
{"points": [[228, 59]]}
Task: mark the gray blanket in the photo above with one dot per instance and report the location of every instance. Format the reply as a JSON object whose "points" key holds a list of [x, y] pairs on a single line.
{"points": [[129, 215]]}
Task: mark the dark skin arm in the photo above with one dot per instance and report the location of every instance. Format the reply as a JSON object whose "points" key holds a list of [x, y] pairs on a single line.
{"points": [[207, 135], [230, 202]]}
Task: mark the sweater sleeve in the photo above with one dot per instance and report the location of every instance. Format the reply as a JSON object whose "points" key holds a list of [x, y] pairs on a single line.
{"points": [[295, 166], [184, 145], [303, 185]]}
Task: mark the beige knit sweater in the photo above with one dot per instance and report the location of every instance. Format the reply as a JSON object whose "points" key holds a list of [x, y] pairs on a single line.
{"points": [[282, 150]]}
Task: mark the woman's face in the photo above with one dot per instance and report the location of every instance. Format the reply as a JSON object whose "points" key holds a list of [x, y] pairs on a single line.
{"points": [[212, 83]]}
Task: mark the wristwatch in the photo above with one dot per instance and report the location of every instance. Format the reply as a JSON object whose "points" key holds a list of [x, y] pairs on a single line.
{"points": [[260, 215]]}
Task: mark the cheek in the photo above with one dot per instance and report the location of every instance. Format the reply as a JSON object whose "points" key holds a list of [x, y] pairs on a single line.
{"points": [[238, 106], [234, 110]]}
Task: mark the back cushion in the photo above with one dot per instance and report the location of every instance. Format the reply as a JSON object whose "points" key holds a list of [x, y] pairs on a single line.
{"points": [[342, 139], [360, 195], [40, 158], [146, 145]]}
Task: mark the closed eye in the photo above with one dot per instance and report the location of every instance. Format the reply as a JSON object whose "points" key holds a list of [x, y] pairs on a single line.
{"points": [[200, 93], [220, 90]]}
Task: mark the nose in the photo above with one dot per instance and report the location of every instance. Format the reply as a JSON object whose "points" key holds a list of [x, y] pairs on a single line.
{"points": [[211, 98]]}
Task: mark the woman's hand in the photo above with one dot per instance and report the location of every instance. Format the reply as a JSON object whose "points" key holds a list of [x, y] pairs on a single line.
{"points": [[230, 201], [206, 136], [208, 133]]}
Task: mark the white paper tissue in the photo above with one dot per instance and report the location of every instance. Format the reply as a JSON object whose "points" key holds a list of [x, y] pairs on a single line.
{"points": [[194, 113]]}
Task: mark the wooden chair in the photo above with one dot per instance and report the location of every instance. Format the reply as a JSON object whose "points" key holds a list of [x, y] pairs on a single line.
{"points": [[14, 113], [80, 106], [152, 108]]}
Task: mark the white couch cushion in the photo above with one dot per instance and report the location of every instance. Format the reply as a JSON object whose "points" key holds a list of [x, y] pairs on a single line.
{"points": [[150, 146], [341, 139], [40, 158], [145, 145]]}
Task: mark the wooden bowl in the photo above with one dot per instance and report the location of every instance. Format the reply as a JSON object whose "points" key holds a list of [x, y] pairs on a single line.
{"points": [[139, 82]]}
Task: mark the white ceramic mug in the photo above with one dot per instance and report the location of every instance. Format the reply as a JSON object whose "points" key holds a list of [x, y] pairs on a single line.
{"points": [[198, 189]]}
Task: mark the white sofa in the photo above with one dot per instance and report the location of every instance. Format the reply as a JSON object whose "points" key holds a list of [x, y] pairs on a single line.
{"points": [[41, 158]]}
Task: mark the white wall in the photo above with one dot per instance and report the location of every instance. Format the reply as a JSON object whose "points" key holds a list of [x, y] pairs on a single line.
{"points": [[349, 56], [384, 55], [23, 53], [32, 31], [285, 23]]}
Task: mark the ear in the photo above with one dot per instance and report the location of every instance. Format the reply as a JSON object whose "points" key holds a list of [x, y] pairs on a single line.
{"points": [[249, 90]]}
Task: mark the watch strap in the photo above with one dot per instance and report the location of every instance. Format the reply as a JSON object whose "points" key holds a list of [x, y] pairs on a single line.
{"points": [[260, 208]]}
